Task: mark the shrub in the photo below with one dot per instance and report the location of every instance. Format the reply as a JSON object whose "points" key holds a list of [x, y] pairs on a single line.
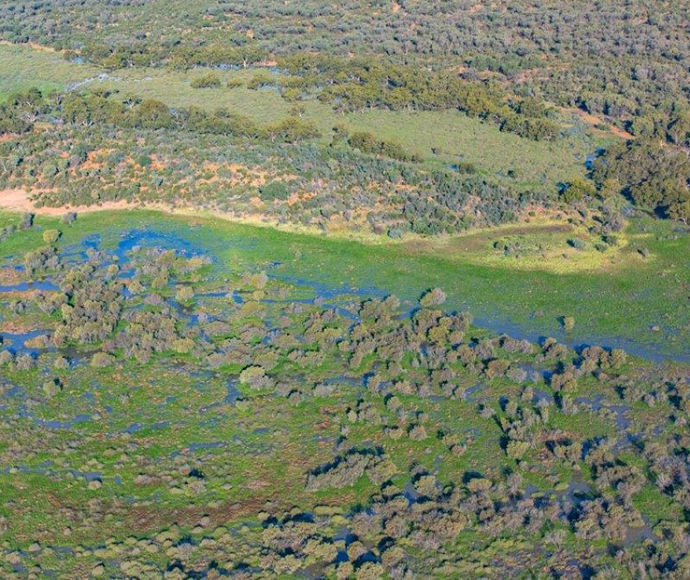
{"points": [[433, 297], [102, 360], [274, 190], [208, 81], [51, 236], [368, 143], [577, 190], [256, 378]]}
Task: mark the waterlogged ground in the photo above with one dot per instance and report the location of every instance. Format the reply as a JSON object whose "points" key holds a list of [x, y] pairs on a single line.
{"points": [[636, 296], [182, 398]]}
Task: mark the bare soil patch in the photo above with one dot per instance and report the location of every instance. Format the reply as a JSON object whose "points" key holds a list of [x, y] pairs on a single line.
{"points": [[20, 200]]}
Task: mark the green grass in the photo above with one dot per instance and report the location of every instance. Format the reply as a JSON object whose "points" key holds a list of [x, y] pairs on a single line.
{"points": [[173, 88], [23, 68], [457, 137], [442, 137]]}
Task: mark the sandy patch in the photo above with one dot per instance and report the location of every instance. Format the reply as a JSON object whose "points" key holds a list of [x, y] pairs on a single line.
{"points": [[20, 200], [33, 45], [16, 327], [593, 120]]}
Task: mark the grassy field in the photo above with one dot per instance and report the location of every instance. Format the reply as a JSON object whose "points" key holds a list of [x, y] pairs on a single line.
{"points": [[22, 68], [616, 296], [276, 354], [456, 137], [440, 137]]}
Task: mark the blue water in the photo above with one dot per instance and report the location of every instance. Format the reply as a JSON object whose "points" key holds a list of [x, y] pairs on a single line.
{"points": [[192, 447], [233, 393], [328, 291], [81, 418], [15, 342], [155, 239], [42, 286], [339, 296]]}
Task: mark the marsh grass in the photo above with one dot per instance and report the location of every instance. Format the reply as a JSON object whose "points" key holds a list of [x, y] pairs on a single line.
{"points": [[611, 305]]}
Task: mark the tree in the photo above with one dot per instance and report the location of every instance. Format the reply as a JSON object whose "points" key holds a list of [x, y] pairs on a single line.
{"points": [[609, 187], [680, 210], [433, 297], [153, 114], [679, 127], [69, 218], [184, 293], [102, 359], [255, 377], [578, 189]]}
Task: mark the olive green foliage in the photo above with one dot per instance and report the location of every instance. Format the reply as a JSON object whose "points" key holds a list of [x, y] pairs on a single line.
{"points": [[227, 158], [368, 143], [577, 54], [363, 83], [207, 81], [654, 176]]}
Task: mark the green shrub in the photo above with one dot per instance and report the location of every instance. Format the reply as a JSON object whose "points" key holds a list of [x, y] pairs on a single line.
{"points": [[208, 81], [274, 190], [51, 236]]}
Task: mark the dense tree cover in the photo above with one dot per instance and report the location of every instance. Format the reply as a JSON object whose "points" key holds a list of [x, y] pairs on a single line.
{"points": [[171, 53], [368, 143], [18, 113], [494, 62], [514, 59], [624, 58], [98, 108], [166, 414], [355, 84], [653, 175]]}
